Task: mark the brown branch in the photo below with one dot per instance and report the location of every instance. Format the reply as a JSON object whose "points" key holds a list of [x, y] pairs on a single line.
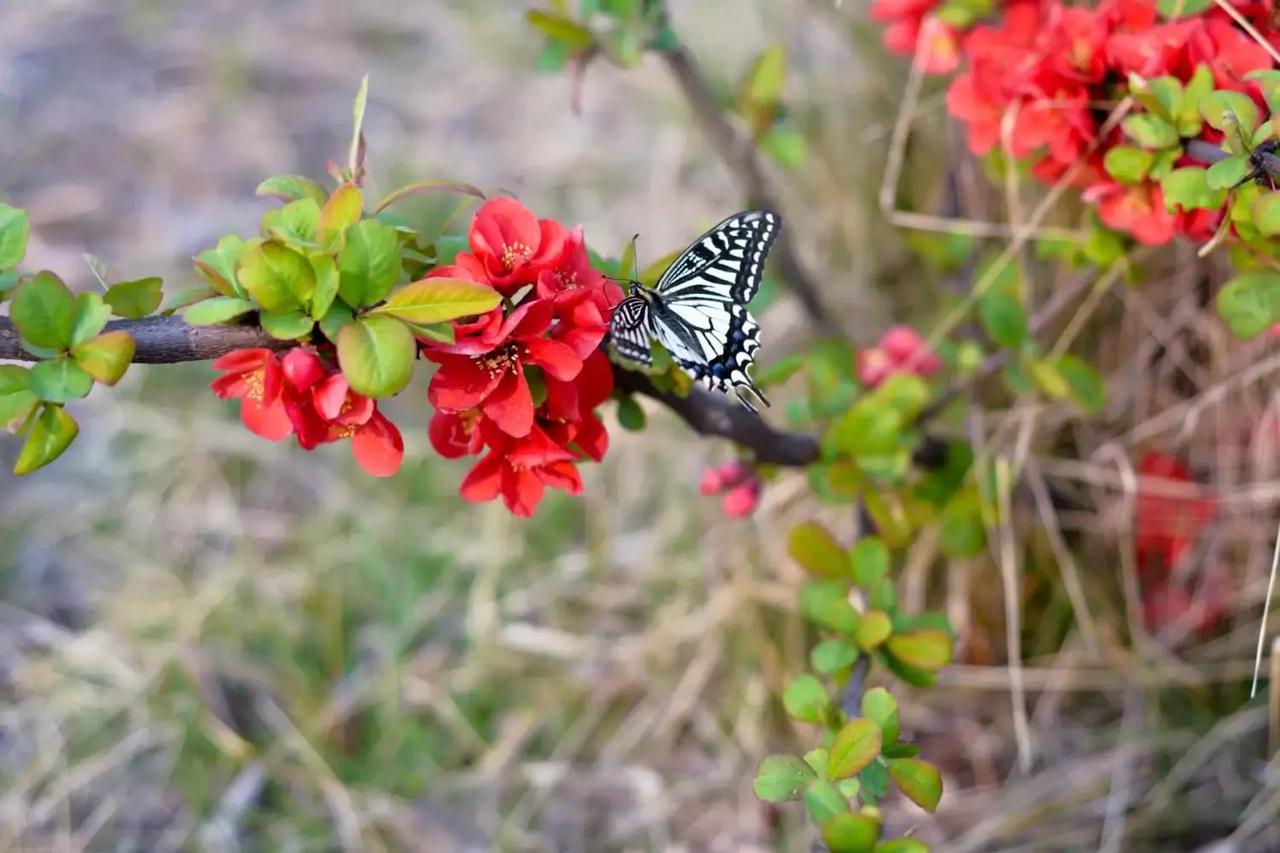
{"points": [[739, 153], [169, 340], [163, 340]]}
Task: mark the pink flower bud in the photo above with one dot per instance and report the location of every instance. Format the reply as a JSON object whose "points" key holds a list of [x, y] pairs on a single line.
{"points": [[900, 343], [711, 483], [741, 500], [874, 366]]}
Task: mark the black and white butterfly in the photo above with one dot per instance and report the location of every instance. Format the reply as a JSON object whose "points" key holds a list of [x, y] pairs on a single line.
{"points": [[698, 308]]}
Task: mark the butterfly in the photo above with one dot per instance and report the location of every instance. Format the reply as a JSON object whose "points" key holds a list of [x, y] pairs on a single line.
{"points": [[698, 308]]}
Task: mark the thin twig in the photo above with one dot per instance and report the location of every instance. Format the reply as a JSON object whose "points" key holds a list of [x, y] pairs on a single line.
{"points": [[1266, 611], [739, 154]]}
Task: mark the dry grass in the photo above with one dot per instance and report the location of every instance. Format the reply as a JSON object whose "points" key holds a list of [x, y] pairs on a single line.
{"points": [[211, 642]]}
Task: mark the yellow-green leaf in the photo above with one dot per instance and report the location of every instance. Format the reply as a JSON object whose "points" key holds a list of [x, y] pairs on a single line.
{"points": [[849, 832], [50, 434], [781, 777], [91, 315], [810, 545], [436, 300], [43, 310], [291, 188], [919, 780], [341, 211], [278, 278], [15, 228], [369, 263], [928, 649], [376, 355], [16, 398], [873, 629], [856, 745], [107, 356]]}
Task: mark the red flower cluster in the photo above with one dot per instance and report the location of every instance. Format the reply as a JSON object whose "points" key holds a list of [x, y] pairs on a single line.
{"points": [[1167, 527], [913, 26], [900, 350], [739, 484], [523, 382], [303, 395], [1045, 76]]}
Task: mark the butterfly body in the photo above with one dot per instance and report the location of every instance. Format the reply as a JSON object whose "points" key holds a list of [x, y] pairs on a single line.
{"points": [[698, 308]]}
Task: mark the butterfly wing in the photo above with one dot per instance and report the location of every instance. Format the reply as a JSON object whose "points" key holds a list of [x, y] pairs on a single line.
{"points": [[630, 330], [700, 308]]}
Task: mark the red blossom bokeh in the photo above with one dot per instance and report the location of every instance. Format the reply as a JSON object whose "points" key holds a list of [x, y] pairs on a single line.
{"points": [[899, 350]]}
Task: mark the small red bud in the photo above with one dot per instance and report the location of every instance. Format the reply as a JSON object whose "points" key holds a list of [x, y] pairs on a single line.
{"points": [[741, 500]]}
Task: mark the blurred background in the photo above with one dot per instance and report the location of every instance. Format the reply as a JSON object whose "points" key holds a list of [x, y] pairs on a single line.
{"points": [[208, 641]]}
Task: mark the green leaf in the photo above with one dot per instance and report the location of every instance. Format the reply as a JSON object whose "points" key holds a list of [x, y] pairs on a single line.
{"points": [[1086, 386], [777, 372], [448, 246], [827, 603], [832, 656], [856, 745], [441, 333], [1250, 302], [869, 560], [218, 310], [1044, 372], [874, 628], [376, 355], [824, 801], [91, 315], [278, 278], [425, 187], [560, 28], [436, 300], [50, 434], [879, 706], [16, 399], [848, 832], [59, 381], [782, 777], [15, 228], [928, 649], [1180, 9], [905, 845], [919, 780], [805, 699], [292, 188], [1232, 113], [1128, 165], [218, 265], [627, 263], [340, 212], [338, 316], [1004, 319], [630, 416], [874, 780], [296, 224], [135, 299], [900, 750], [788, 148], [289, 326], [869, 428], [1226, 173], [369, 263], [816, 758], [1266, 214], [43, 310], [763, 84], [106, 357], [1268, 80], [1150, 131], [1189, 189], [326, 272], [813, 548], [961, 529]]}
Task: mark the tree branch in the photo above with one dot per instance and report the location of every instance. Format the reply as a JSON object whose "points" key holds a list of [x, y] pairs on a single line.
{"points": [[169, 340], [739, 153]]}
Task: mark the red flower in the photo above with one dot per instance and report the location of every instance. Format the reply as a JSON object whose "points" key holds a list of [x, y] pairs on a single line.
{"points": [[254, 376], [568, 413], [900, 350], [456, 434], [741, 501], [473, 374], [1138, 209], [1167, 525], [520, 469], [512, 245]]}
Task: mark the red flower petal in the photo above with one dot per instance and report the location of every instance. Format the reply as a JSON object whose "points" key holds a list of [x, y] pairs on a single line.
{"points": [[557, 359], [561, 475], [483, 482], [243, 360], [302, 368], [510, 405], [270, 422], [460, 383], [455, 435], [521, 491], [378, 446]]}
